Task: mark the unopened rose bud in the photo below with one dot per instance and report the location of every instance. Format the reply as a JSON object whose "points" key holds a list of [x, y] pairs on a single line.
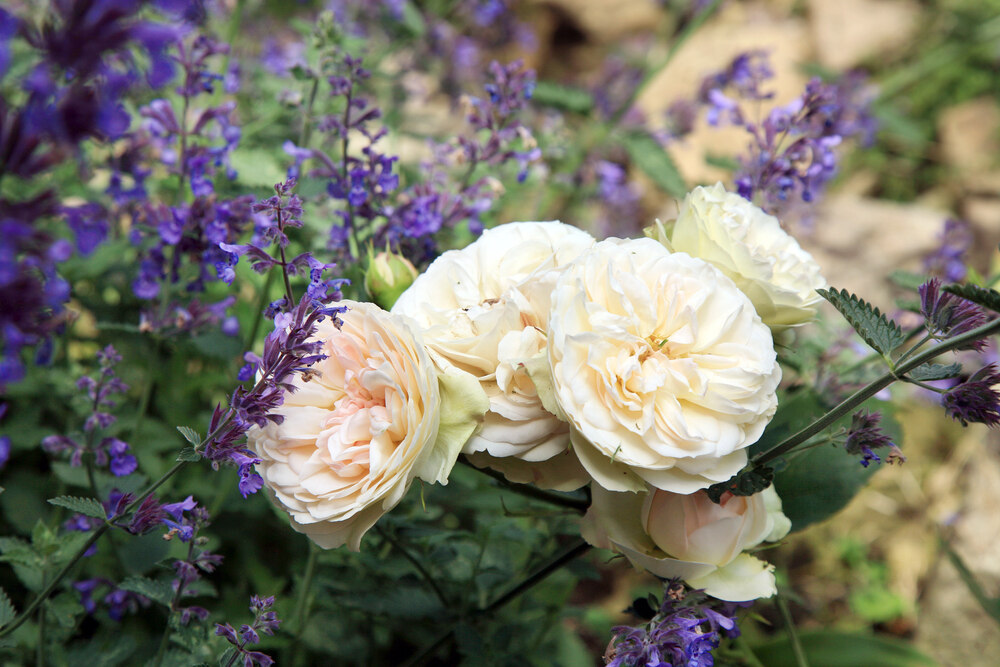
{"points": [[387, 277]]}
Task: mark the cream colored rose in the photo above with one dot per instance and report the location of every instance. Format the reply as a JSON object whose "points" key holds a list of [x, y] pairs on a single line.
{"points": [[690, 537], [661, 365], [750, 247], [375, 415], [484, 309]]}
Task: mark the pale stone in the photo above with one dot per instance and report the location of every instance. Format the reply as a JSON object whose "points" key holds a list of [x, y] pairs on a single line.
{"points": [[970, 135], [604, 21], [847, 32], [881, 236], [737, 28]]}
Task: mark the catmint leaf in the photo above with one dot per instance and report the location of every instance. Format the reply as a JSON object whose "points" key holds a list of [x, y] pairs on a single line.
{"points": [[881, 333], [159, 591], [189, 455], [7, 611], [988, 298], [551, 94], [908, 279], [227, 657], [934, 372], [654, 160], [190, 435], [86, 506]]}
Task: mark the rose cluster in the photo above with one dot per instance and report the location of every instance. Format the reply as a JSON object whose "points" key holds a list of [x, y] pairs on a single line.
{"points": [[643, 368]]}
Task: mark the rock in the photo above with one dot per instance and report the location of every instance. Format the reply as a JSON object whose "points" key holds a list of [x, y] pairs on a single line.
{"points": [[737, 28], [851, 232], [847, 32], [970, 135], [603, 22]]}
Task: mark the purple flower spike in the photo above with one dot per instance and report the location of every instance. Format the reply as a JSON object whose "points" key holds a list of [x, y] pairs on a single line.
{"points": [[976, 400], [947, 315], [865, 436]]}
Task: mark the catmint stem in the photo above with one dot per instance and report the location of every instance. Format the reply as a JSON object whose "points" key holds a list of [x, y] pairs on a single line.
{"points": [[302, 603], [746, 653], [912, 349], [388, 537], [800, 655], [563, 558], [866, 392], [575, 504], [262, 300]]}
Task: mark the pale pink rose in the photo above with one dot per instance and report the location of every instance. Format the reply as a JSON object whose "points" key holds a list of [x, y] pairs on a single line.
{"points": [[690, 537], [373, 416]]}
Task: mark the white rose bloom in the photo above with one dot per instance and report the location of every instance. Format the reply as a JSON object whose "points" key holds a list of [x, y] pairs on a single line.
{"points": [[690, 537], [661, 365], [484, 309], [752, 249], [374, 415]]}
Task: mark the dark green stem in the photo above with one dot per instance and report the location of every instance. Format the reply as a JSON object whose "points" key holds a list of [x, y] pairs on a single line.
{"points": [[262, 299], [575, 504], [302, 603], [793, 636], [866, 392], [579, 548], [990, 605], [388, 537]]}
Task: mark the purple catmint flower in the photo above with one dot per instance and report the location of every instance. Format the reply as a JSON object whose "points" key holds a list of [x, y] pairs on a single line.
{"points": [[865, 436], [947, 261], [976, 400], [265, 621], [117, 601], [947, 315], [684, 631]]}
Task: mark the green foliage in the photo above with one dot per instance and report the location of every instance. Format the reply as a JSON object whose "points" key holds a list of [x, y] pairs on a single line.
{"points": [[559, 96], [653, 159], [881, 333], [156, 590], [986, 297], [7, 611], [929, 372], [86, 506], [827, 648]]}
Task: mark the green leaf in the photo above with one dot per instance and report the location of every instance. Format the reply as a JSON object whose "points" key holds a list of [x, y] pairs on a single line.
{"points": [[159, 591], [647, 154], [988, 298], [934, 372], [257, 167], [7, 611], [86, 506], [876, 329], [819, 482], [908, 279], [190, 435], [826, 648], [189, 455], [551, 94]]}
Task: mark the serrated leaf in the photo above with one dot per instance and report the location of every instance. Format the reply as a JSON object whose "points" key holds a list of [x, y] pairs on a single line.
{"points": [[7, 611], [881, 333], [988, 298], [934, 372], [86, 506], [189, 455], [549, 93], [158, 591], [190, 435], [647, 154], [226, 658]]}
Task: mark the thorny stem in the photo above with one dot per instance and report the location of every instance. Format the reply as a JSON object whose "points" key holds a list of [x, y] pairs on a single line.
{"points": [[866, 392], [398, 546], [579, 548], [575, 504]]}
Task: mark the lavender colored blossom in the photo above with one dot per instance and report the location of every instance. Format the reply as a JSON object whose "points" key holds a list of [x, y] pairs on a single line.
{"points": [[976, 400], [280, 58], [619, 198], [117, 601], [865, 436], [947, 315], [682, 633], [947, 261], [265, 621]]}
